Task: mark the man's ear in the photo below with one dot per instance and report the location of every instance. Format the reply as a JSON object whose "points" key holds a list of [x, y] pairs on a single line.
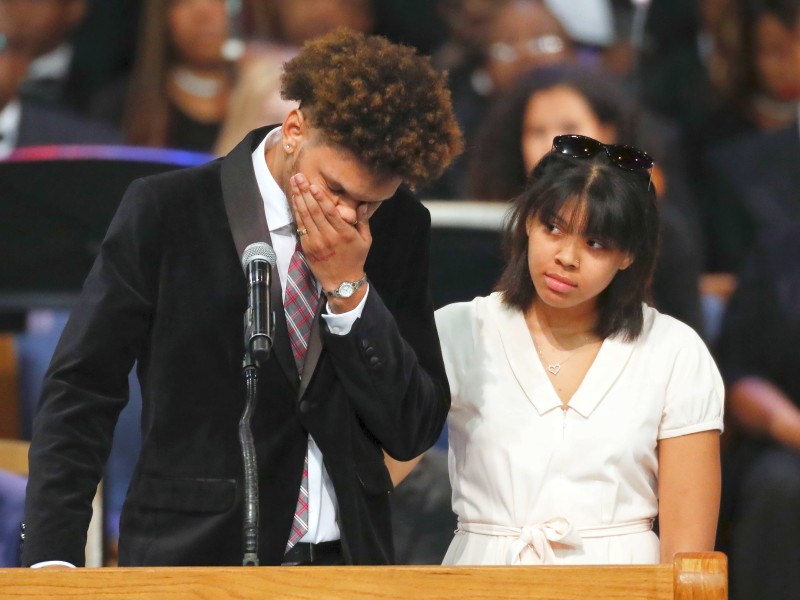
{"points": [[294, 128]]}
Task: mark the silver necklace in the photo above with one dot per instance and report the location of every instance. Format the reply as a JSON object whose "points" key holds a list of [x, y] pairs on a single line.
{"points": [[196, 85], [554, 368]]}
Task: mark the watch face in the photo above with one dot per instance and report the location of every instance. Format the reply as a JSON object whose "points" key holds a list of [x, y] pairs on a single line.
{"points": [[346, 289]]}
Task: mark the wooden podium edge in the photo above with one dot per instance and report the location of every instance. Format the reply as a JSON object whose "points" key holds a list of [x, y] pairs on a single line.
{"points": [[696, 576]]}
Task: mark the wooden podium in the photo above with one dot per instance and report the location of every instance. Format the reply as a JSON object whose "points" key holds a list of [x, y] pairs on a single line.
{"points": [[691, 576]]}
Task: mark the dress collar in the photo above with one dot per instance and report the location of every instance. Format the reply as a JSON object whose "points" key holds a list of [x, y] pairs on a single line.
{"points": [[532, 377]]}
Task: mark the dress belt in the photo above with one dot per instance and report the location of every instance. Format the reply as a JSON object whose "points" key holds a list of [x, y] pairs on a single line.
{"points": [[540, 536]]}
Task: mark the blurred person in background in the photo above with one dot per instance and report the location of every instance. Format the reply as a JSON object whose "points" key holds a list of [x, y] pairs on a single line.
{"points": [[24, 122], [757, 354], [12, 509], [516, 36], [468, 24], [43, 30], [761, 78], [747, 173], [565, 99], [293, 22], [178, 93], [280, 29]]}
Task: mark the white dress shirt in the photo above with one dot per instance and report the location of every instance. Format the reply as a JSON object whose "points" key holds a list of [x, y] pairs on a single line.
{"points": [[9, 127], [53, 65], [322, 505]]}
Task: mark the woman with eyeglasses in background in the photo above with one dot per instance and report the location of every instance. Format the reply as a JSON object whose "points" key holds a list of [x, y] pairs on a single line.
{"points": [[579, 413], [514, 37]]}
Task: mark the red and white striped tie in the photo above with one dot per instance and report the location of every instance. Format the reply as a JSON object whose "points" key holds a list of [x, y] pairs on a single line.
{"points": [[300, 304]]}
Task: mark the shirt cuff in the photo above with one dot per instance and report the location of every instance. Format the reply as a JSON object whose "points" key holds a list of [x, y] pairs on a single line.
{"points": [[342, 323], [50, 563]]}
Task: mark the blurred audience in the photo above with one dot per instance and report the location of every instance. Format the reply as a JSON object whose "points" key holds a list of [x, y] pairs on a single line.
{"points": [[25, 122], [192, 88], [741, 187], [515, 36], [467, 23], [564, 99], [256, 98], [178, 93], [670, 74], [12, 508], [761, 85], [293, 22], [417, 23], [757, 353], [43, 30]]}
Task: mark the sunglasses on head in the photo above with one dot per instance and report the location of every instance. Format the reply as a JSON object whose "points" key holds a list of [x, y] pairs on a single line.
{"points": [[624, 157]]}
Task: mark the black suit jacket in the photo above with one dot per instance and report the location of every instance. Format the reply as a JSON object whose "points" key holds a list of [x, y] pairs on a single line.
{"points": [[168, 290]]}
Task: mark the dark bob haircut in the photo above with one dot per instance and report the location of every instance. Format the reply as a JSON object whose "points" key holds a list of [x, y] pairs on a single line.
{"points": [[614, 206]]}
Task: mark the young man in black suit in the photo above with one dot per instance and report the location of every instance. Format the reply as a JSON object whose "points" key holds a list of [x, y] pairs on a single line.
{"points": [[168, 291]]}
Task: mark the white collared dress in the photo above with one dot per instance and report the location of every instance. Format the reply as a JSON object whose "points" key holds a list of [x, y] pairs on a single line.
{"points": [[537, 484]]}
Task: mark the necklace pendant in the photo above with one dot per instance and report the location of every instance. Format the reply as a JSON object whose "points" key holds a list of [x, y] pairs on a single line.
{"points": [[554, 369]]}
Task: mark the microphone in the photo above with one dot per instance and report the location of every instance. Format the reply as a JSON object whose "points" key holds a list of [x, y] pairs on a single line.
{"points": [[257, 262]]}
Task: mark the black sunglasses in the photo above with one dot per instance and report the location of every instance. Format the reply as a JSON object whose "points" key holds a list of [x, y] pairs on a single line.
{"points": [[625, 157]]}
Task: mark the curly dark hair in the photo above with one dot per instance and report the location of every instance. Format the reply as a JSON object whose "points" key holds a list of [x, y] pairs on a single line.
{"points": [[381, 101], [620, 210]]}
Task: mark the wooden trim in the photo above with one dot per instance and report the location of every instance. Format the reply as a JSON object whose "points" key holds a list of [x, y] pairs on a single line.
{"points": [[14, 456], [696, 576], [10, 424]]}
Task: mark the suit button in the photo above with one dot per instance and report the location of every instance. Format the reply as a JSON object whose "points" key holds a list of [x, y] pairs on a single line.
{"points": [[370, 351], [305, 406], [374, 361], [365, 344]]}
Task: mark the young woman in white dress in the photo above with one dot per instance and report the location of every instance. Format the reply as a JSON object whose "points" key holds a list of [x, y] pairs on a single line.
{"points": [[579, 413]]}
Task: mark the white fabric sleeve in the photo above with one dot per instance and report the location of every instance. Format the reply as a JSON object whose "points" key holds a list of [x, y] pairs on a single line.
{"points": [[342, 323], [695, 392], [454, 326], [49, 563]]}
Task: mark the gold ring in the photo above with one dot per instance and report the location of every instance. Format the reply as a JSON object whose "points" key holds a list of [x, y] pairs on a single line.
{"points": [[301, 231], [354, 223]]}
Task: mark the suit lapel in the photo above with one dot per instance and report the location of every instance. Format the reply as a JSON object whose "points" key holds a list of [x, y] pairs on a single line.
{"points": [[245, 209]]}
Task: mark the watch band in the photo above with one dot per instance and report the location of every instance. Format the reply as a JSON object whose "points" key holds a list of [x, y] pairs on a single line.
{"points": [[346, 288]]}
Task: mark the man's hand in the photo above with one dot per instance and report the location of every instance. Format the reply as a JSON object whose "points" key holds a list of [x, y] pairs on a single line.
{"points": [[335, 249]]}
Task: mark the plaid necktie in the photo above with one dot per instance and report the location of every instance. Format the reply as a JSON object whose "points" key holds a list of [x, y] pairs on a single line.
{"points": [[300, 303]]}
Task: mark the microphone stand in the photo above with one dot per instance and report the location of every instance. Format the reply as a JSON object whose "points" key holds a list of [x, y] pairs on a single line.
{"points": [[257, 261], [250, 372]]}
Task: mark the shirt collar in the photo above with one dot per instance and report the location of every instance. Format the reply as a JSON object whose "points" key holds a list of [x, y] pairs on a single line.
{"points": [[279, 215], [53, 65], [9, 127]]}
